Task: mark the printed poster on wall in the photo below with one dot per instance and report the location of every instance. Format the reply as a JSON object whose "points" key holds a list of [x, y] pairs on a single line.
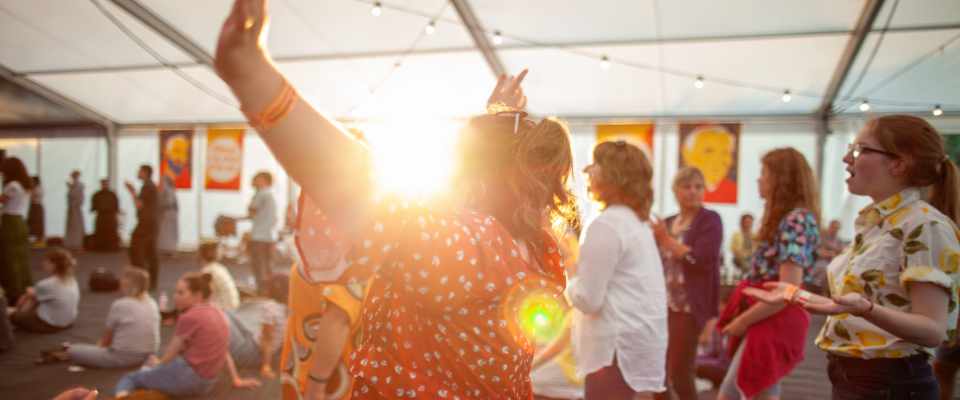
{"points": [[713, 148], [224, 166], [176, 157], [639, 134]]}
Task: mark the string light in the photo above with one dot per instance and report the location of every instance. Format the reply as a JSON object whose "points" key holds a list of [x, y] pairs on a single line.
{"points": [[699, 82], [937, 111], [786, 96], [605, 63], [377, 9], [431, 28], [497, 38], [865, 106]]}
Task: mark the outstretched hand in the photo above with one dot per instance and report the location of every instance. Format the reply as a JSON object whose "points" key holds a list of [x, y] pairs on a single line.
{"points": [[508, 92], [850, 303], [243, 35], [78, 394], [777, 293]]}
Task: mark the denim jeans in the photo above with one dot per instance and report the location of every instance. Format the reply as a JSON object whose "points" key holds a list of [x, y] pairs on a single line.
{"points": [[243, 348], [883, 378], [175, 378]]}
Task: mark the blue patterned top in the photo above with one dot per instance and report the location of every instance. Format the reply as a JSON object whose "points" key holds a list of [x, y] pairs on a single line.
{"points": [[797, 239]]}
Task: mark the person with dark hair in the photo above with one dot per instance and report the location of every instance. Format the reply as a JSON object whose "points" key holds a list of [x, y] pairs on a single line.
{"points": [[76, 229], [690, 247], [106, 232], [195, 356], [444, 303], [132, 329], [618, 286], [36, 221], [143, 240], [770, 338], [894, 290], [263, 213], [224, 292], [52, 304], [14, 237]]}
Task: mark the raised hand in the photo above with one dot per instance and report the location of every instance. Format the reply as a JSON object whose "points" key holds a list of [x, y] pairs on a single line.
{"points": [[850, 303], [509, 93], [242, 38]]}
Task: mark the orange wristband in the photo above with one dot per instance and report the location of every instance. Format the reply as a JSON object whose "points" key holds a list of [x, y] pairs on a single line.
{"points": [[790, 292], [278, 108]]}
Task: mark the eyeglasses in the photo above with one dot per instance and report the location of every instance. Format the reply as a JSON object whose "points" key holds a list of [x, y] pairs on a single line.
{"points": [[857, 149]]}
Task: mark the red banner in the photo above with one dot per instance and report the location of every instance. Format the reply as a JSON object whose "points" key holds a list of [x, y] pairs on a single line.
{"points": [[176, 157], [224, 166], [713, 148]]}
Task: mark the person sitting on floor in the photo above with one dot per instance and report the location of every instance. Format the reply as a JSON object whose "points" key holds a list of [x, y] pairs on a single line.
{"points": [[196, 354], [224, 290], [257, 328], [50, 305], [132, 333]]}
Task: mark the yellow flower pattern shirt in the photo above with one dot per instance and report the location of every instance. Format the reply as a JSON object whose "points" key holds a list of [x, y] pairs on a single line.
{"points": [[899, 240]]}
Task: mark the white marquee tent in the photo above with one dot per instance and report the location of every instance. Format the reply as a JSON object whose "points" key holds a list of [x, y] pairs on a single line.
{"points": [[89, 82]]}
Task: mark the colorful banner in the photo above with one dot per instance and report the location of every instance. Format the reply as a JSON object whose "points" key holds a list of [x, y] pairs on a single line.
{"points": [[713, 148], [176, 157], [224, 166], [639, 134]]}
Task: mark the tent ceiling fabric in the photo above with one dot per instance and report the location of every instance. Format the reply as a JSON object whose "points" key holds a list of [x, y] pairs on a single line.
{"points": [[19, 106], [343, 59]]}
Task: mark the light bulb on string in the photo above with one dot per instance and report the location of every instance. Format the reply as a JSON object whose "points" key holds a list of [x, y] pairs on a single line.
{"points": [[865, 106], [605, 63], [698, 83], [786, 96], [937, 111], [497, 38], [431, 28], [377, 9]]}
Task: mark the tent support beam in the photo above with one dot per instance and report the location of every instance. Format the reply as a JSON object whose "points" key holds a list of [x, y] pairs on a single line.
{"points": [[472, 23], [54, 97], [165, 29], [864, 25]]}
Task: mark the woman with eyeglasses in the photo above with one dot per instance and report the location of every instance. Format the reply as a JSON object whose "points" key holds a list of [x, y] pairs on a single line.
{"points": [[894, 289]]}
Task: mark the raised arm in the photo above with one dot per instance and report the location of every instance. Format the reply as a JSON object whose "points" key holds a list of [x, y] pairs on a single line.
{"points": [[328, 163]]}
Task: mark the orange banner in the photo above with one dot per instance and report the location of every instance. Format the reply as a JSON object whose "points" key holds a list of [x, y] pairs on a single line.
{"points": [[639, 134], [176, 157], [224, 166]]}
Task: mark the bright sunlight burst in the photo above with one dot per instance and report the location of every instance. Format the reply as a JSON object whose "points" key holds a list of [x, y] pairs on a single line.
{"points": [[412, 157]]}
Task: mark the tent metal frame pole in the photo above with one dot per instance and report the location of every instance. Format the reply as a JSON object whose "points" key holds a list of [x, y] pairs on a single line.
{"points": [[113, 164], [479, 35], [165, 29], [825, 112]]}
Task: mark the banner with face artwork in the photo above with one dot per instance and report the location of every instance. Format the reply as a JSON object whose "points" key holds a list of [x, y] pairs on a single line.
{"points": [[713, 149], [176, 157], [636, 133], [224, 164]]}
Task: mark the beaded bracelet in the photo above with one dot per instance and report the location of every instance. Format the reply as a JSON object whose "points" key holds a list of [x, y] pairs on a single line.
{"points": [[278, 109]]}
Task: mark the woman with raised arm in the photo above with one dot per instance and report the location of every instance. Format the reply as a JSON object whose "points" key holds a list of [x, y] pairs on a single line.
{"points": [[438, 320], [894, 289]]}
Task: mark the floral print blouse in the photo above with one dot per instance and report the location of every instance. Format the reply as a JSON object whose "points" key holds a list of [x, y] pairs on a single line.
{"points": [[796, 241], [899, 240], [440, 319]]}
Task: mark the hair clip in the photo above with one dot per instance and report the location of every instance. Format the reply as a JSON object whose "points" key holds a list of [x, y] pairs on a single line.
{"points": [[620, 143]]}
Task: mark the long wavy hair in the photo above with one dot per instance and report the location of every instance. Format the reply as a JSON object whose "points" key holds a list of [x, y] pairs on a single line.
{"points": [[919, 143], [519, 172], [794, 186], [625, 177]]}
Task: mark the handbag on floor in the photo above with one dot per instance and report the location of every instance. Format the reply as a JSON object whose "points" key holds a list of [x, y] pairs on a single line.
{"points": [[103, 280]]}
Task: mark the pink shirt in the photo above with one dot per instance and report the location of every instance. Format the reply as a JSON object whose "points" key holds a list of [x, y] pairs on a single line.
{"points": [[206, 335]]}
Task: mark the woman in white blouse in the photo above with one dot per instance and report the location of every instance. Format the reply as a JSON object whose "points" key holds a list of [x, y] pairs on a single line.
{"points": [[620, 331], [14, 239]]}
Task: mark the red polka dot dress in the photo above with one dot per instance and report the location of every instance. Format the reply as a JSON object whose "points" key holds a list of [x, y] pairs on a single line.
{"points": [[440, 319]]}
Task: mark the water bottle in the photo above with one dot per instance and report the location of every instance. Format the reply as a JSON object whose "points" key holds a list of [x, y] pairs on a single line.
{"points": [[163, 301]]}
